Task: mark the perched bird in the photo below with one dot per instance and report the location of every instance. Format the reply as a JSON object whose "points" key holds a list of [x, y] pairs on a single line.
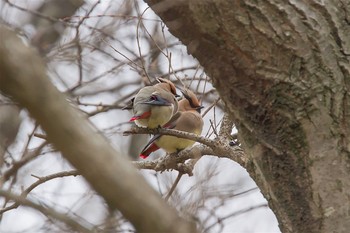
{"points": [[187, 119], [153, 106]]}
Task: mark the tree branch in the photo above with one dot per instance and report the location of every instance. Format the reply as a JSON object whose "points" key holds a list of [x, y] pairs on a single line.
{"points": [[18, 164], [173, 187], [48, 212], [171, 132], [40, 181], [177, 161], [234, 214]]}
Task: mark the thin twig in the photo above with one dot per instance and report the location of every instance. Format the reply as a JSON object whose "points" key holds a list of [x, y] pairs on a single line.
{"points": [[18, 164], [49, 212], [234, 214], [139, 23], [210, 107], [172, 189], [40, 181]]}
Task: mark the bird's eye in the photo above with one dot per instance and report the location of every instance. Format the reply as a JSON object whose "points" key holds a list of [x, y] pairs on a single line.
{"points": [[153, 97]]}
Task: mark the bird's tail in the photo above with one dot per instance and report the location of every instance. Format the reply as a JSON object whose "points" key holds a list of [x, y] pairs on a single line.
{"points": [[148, 150]]}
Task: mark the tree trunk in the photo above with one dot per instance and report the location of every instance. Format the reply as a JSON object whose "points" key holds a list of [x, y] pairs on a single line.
{"points": [[282, 68]]}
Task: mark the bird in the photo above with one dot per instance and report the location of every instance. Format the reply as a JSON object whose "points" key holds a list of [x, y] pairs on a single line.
{"points": [[154, 105], [187, 119]]}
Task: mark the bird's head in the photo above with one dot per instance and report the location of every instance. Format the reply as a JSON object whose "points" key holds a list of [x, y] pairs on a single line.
{"points": [[167, 85]]}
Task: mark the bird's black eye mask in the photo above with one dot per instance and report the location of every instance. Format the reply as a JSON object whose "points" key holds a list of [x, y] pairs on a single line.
{"points": [[157, 100], [194, 106]]}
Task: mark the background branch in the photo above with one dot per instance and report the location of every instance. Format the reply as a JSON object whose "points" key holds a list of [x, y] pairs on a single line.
{"points": [[40, 181], [18, 164], [20, 200]]}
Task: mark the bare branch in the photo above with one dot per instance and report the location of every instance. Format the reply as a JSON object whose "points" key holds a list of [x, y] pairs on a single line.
{"points": [[176, 161], [172, 189], [18, 164], [20, 200], [235, 214], [40, 181], [220, 147], [172, 132]]}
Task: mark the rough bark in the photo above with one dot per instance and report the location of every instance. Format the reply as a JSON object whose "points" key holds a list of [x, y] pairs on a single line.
{"points": [[23, 77], [282, 69]]}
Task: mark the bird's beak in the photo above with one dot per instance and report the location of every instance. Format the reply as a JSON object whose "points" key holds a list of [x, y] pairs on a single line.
{"points": [[198, 109]]}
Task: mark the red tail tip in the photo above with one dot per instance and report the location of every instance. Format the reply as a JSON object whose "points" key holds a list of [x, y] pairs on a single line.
{"points": [[143, 156], [144, 115], [134, 118]]}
